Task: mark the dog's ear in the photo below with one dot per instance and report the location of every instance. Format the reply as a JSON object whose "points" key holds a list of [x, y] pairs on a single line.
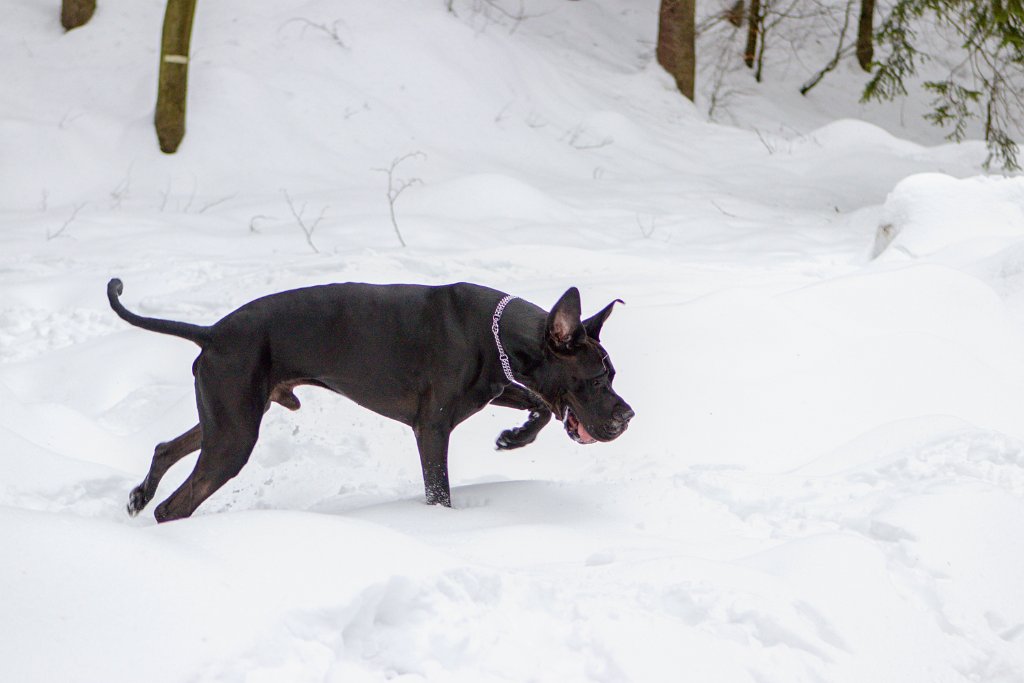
{"points": [[594, 323], [564, 329]]}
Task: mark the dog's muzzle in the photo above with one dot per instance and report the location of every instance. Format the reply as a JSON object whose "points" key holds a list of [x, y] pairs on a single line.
{"points": [[606, 431]]}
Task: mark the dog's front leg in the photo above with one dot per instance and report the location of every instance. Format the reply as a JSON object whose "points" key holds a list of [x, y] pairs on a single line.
{"points": [[516, 397], [432, 441], [517, 437]]}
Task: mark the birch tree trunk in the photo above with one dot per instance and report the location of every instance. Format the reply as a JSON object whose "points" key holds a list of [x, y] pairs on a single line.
{"points": [[173, 87]]}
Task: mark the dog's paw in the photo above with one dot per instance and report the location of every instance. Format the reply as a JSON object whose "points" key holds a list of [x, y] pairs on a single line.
{"points": [[516, 437], [136, 501]]}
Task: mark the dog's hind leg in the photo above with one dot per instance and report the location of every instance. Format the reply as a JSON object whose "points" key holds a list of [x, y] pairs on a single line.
{"points": [[224, 453], [170, 452], [231, 397], [164, 456], [516, 397]]}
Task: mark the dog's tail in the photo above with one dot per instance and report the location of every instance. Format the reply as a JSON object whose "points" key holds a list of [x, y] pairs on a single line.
{"points": [[194, 333]]}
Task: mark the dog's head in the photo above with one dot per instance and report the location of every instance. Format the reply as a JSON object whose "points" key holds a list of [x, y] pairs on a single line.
{"points": [[576, 375]]}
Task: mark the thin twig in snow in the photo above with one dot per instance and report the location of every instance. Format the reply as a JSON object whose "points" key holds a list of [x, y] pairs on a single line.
{"points": [[715, 204], [252, 222], [192, 197], [166, 195], [646, 231], [330, 31], [307, 230], [120, 192], [768, 146], [215, 202], [395, 190], [71, 218]]}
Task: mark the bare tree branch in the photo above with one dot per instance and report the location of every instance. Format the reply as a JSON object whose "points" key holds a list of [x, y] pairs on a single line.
{"points": [[396, 188], [307, 230], [834, 62], [330, 31], [215, 202], [69, 221]]}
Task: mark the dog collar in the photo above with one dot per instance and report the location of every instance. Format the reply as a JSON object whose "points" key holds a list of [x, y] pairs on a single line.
{"points": [[502, 356]]}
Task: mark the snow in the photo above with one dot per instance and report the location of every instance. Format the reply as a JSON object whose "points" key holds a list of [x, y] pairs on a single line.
{"points": [[825, 477], [929, 213]]}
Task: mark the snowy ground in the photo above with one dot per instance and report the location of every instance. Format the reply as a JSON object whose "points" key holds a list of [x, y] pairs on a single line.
{"points": [[825, 479]]}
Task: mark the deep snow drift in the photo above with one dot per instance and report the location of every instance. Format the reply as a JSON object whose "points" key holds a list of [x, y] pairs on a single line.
{"points": [[825, 479]]}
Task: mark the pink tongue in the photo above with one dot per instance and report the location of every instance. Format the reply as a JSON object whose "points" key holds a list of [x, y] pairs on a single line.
{"points": [[585, 436]]}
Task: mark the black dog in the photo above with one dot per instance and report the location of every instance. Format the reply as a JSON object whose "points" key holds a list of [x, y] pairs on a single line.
{"points": [[428, 357]]}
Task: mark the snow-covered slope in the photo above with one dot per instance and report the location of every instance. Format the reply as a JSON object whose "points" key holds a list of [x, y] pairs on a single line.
{"points": [[825, 479]]}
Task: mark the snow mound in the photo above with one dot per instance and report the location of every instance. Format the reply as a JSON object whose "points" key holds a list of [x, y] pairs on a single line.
{"points": [[847, 133], [929, 213], [484, 196]]}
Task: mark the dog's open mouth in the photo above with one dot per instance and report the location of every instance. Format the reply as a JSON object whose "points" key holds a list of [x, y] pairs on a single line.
{"points": [[575, 429]]}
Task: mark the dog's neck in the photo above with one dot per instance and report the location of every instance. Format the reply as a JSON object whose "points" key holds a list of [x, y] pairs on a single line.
{"points": [[503, 358], [519, 334]]}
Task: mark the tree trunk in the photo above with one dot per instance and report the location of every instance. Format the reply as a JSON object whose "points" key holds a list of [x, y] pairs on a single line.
{"points": [[759, 69], [753, 29], [170, 101], [676, 35], [74, 13], [865, 44]]}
